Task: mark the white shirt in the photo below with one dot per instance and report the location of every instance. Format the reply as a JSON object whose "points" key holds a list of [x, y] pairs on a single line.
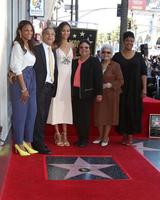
{"points": [[48, 77], [19, 59]]}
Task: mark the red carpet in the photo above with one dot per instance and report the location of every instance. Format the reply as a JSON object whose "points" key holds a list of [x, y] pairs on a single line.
{"points": [[26, 177], [150, 106]]}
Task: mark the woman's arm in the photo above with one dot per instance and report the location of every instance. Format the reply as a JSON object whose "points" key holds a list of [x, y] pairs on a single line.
{"points": [[143, 76], [16, 66], [144, 85]]}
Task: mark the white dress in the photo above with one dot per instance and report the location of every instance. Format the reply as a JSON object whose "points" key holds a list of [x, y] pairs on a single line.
{"points": [[60, 111]]}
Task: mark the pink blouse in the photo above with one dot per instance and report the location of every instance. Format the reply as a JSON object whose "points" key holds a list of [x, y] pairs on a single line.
{"points": [[76, 82]]}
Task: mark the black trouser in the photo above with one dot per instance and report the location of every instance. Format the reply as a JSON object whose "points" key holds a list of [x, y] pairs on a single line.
{"points": [[81, 114], [43, 104]]}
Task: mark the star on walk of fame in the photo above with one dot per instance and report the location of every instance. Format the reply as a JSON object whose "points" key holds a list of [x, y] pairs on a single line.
{"points": [[80, 166]]}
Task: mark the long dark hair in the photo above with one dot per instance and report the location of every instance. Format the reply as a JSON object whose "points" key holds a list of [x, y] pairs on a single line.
{"points": [[58, 38], [19, 39]]}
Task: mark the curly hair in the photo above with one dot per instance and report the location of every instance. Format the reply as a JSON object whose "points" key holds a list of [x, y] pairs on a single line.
{"points": [[19, 39]]}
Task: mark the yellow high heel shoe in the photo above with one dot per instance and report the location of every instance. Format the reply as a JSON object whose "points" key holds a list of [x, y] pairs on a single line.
{"points": [[29, 149], [20, 151]]}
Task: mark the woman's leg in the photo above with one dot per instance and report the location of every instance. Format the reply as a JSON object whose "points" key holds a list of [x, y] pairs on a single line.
{"points": [[32, 107], [64, 128], [19, 113], [130, 140], [64, 135], [106, 133], [105, 136], [100, 131], [84, 120], [57, 136], [124, 138], [56, 128]]}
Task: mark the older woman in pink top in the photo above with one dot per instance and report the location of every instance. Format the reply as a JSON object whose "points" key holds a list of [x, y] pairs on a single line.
{"points": [[86, 86]]}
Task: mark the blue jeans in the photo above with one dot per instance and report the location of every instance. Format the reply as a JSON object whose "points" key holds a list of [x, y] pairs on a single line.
{"points": [[23, 114]]}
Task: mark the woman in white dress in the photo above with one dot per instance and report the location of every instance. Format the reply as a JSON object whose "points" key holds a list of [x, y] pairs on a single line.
{"points": [[60, 112]]}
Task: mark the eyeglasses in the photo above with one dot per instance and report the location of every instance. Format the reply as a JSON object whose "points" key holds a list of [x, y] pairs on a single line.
{"points": [[108, 52], [84, 47]]}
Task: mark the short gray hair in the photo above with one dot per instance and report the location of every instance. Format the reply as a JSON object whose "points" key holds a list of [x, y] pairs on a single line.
{"points": [[46, 29], [107, 46]]}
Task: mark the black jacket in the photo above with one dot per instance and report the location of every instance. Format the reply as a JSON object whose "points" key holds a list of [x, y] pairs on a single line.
{"points": [[91, 78], [41, 69]]}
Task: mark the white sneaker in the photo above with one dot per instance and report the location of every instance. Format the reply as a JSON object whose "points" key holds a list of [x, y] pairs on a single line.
{"points": [[96, 141]]}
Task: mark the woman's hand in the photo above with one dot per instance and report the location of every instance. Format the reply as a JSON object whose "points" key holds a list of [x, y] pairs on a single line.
{"points": [[107, 85], [12, 77], [98, 98], [24, 95]]}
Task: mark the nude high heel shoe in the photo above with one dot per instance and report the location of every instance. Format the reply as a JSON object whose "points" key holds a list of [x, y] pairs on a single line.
{"points": [[65, 140], [20, 151], [29, 149], [58, 139]]}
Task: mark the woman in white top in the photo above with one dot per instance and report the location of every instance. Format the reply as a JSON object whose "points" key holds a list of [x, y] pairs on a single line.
{"points": [[61, 109], [23, 89]]}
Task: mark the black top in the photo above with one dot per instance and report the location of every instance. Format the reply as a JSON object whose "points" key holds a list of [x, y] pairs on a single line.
{"points": [[91, 78], [130, 100]]}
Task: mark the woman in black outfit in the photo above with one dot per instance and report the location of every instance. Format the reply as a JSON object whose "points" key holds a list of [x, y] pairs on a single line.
{"points": [[86, 85], [134, 71]]}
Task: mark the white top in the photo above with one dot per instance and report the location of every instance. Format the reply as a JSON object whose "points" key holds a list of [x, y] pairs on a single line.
{"points": [[48, 77], [20, 60]]}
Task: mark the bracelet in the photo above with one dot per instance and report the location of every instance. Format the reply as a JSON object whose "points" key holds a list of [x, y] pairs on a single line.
{"points": [[23, 90]]}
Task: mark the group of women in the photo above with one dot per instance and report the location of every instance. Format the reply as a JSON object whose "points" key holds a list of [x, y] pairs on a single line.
{"points": [[124, 86], [115, 86]]}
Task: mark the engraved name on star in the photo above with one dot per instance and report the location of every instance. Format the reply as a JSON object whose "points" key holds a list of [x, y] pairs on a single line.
{"points": [[80, 167]]}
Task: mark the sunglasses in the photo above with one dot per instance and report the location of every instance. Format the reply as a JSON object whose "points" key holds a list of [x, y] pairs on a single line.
{"points": [[84, 47], [108, 52]]}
